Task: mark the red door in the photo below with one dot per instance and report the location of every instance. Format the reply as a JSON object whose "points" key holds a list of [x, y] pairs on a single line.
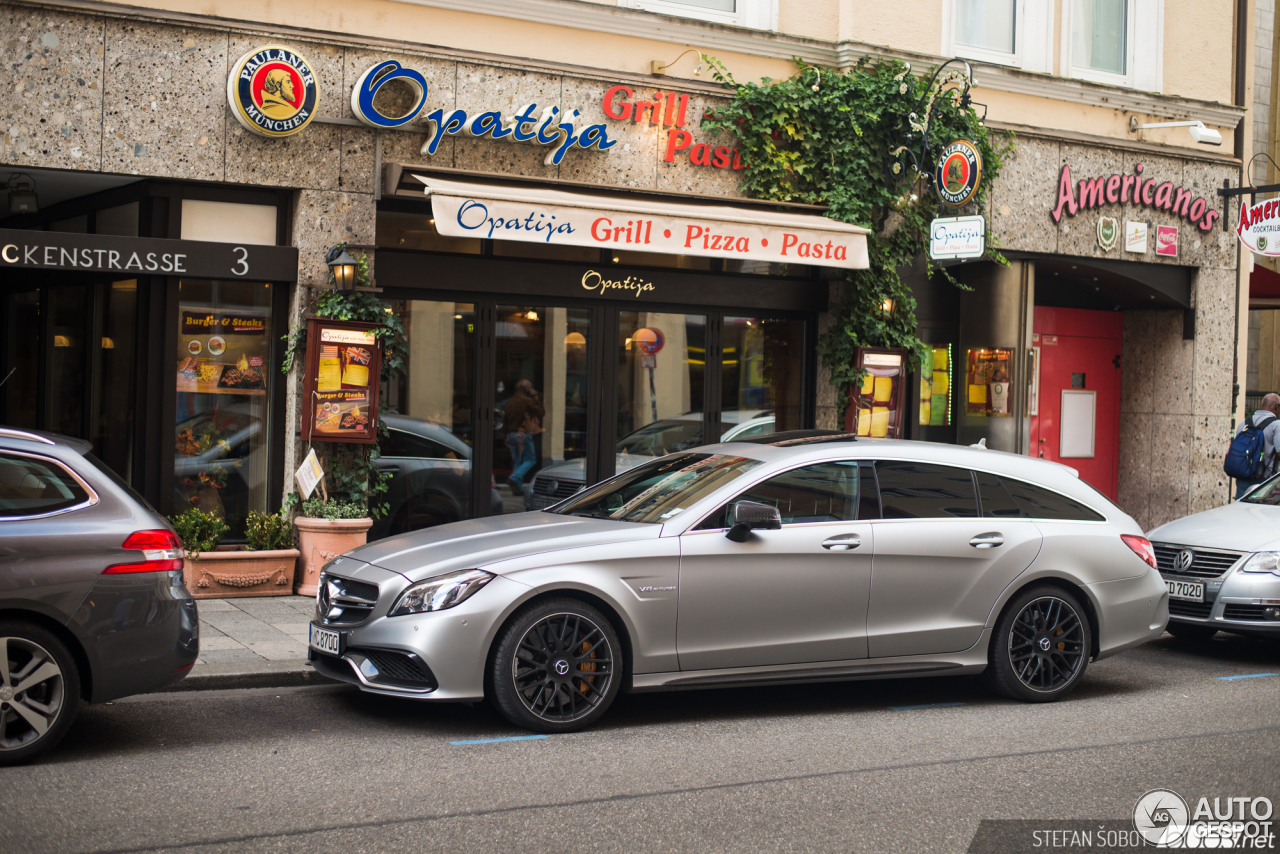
{"points": [[1078, 423]]}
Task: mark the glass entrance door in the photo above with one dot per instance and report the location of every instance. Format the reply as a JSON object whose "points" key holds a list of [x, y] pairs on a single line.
{"points": [[540, 403]]}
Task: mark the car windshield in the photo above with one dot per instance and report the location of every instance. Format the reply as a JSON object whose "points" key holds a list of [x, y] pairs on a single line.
{"points": [[657, 491], [1267, 492]]}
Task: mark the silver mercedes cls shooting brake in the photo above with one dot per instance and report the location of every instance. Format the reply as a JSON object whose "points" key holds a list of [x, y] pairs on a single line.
{"points": [[796, 557]]}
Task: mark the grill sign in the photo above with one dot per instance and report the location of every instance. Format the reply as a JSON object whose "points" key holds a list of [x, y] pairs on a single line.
{"points": [[959, 171], [272, 91]]}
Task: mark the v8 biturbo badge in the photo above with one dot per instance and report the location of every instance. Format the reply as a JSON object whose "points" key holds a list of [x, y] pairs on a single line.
{"points": [[272, 91], [959, 171]]}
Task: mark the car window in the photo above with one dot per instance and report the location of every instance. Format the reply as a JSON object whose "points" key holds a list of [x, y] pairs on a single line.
{"points": [[401, 443], [662, 437], [1267, 492], [911, 490], [659, 490], [1037, 502], [31, 487], [762, 429], [997, 503], [868, 492], [825, 492]]}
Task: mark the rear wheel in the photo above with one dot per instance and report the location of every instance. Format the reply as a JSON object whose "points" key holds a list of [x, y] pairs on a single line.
{"points": [[1040, 647], [557, 667], [39, 689], [1190, 631]]}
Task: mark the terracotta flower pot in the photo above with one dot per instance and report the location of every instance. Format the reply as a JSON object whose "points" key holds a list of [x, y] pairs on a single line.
{"points": [[321, 540], [231, 574]]}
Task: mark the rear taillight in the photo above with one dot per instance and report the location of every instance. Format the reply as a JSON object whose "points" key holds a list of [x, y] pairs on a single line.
{"points": [[161, 551], [1142, 548]]}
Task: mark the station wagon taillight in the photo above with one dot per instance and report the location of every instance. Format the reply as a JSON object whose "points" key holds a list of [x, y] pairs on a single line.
{"points": [[1142, 548], [161, 550]]}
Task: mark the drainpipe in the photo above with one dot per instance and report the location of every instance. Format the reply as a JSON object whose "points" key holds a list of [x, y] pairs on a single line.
{"points": [[1244, 45]]}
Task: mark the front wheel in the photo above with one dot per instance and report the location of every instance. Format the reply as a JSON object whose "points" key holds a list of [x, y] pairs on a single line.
{"points": [[557, 667], [1040, 647], [39, 689]]}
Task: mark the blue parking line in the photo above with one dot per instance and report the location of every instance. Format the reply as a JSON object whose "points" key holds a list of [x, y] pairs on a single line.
{"points": [[1245, 676], [492, 740], [926, 706]]}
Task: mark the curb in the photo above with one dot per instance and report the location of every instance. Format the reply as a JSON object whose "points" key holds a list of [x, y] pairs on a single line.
{"points": [[230, 675]]}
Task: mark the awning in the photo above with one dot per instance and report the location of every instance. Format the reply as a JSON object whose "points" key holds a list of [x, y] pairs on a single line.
{"points": [[571, 218]]}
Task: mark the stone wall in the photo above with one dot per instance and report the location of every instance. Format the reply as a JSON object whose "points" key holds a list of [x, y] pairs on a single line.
{"points": [[1175, 414]]}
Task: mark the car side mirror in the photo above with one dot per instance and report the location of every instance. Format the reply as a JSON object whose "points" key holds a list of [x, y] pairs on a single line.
{"points": [[746, 516]]}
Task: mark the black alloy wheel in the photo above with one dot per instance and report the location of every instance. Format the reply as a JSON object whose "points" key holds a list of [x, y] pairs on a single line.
{"points": [[1040, 647], [39, 690], [556, 668]]}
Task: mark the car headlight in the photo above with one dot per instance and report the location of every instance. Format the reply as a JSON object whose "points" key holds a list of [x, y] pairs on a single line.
{"points": [[1263, 562], [436, 594]]}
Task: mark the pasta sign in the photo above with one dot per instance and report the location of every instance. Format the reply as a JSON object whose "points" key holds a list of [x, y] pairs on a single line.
{"points": [[668, 111]]}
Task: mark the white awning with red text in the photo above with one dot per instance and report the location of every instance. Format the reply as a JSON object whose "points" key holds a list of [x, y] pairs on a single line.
{"points": [[574, 218]]}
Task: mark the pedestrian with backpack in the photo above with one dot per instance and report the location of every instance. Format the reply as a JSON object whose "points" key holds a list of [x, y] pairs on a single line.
{"points": [[1252, 457]]}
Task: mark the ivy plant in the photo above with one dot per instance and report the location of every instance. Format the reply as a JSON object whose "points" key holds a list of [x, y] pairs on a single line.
{"points": [[861, 142], [352, 469]]}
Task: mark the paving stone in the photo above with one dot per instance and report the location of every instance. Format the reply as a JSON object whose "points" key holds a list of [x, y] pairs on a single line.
{"points": [[292, 628], [208, 644], [217, 656], [288, 650], [204, 605]]}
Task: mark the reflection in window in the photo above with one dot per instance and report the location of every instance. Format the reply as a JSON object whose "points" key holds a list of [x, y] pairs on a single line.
{"points": [[825, 492], [986, 24], [661, 366], [659, 490], [762, 361], [1099, 34], [31, 487], [224, 377], [397, 230], [911, 490]]}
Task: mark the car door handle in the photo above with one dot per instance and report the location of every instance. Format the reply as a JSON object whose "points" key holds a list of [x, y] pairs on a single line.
{"points": [[987, 541], [842, 543]]}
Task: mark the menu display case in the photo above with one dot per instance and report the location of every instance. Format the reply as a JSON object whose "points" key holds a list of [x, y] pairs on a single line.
{"points": [[876, 407], [935, 387], [988, 381], [344, 364]]}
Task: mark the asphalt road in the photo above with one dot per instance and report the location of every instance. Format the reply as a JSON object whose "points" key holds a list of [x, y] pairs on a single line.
{"points": [[816, 768]]}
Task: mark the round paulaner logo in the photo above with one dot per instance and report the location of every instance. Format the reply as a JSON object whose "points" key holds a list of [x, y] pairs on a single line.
{"points": [[959, 171], [272, 91]]}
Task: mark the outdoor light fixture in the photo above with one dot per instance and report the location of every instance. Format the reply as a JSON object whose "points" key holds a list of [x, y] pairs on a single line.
{"points": [[886, 306], [22, 194], [659, 67], [1200, 133], [343, 267]]}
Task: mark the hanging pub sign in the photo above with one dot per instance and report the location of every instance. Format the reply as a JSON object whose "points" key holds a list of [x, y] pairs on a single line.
{"points": [[957, 237], [272, 91], [344, 364], [1259, 228], [958, 174]]}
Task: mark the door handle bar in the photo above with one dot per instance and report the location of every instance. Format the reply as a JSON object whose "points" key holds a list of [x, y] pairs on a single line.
{"points": [[842, 542], [987, 541]]}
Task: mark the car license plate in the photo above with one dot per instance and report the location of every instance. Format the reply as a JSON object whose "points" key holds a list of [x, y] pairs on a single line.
{"points": [[326, 641], [1191, 590]]}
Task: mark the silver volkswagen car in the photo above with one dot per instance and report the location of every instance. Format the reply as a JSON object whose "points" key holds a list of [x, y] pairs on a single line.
{"points": [[1223, 567], [796, 557]]}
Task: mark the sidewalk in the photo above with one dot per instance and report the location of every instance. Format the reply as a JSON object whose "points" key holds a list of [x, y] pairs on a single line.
{"points": [[252, 643]]}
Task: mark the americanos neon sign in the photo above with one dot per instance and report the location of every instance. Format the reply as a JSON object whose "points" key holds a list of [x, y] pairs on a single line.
{"points": [[553, 126], [1135, 189]]}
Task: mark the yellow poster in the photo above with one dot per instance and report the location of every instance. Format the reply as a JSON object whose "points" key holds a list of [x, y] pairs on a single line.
{"points": [[940, 359], [357, 375], [926, 389], [864, 422], [925, 410], [941, 382], [884, 389], [879, 422], [978, 393], [329, 370], [868, 382]]}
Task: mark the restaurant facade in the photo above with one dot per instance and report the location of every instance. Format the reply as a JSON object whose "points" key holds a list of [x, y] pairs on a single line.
{"points": [[565, 228]]}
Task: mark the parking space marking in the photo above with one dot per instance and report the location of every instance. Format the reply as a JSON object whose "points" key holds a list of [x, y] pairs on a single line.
{"points": [[1245, 676], [492, 740], [925, 706]]}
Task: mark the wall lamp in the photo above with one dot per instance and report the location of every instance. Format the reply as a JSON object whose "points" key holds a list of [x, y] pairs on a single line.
{"points": [[1200, 133], [343, 267], [659, 67]]}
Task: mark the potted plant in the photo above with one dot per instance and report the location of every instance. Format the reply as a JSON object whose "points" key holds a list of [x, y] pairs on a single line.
{"points": [[263, 567], [327, 529], [340, 520]]}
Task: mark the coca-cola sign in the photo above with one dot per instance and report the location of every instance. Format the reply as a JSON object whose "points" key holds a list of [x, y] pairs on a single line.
{"points": [[1135, 189]]}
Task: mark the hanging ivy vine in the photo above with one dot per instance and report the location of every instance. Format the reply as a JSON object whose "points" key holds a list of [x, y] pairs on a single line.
{"points": [[852, 140], [352, 468]]}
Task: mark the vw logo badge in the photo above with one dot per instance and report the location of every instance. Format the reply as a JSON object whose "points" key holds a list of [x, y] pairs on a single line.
{"points": [[562, 667], [1044, 644], [1184, 560]]}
